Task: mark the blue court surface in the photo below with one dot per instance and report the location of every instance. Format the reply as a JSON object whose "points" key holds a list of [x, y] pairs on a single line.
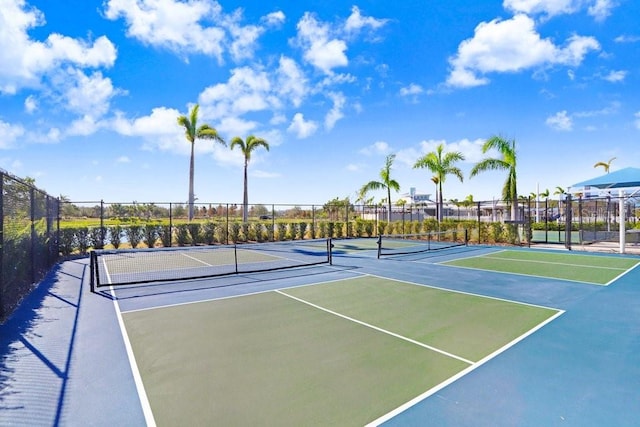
{"points": [[402, 340]]}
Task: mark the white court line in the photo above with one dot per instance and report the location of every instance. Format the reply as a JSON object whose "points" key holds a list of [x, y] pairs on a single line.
{"points": [[621, 274], [554, 263], [386, 417], [522, 274], [368, 325], [198, 260], [137, 378]]}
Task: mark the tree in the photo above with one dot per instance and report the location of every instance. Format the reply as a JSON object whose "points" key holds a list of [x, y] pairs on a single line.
{"points": [[441, 164], [193, 132], [605, 165], [507, 162], [385, 183], [247, 148]]}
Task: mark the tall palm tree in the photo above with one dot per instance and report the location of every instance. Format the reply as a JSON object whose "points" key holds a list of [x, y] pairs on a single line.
{"points": [[247, 148], [605, 165], [193, 132], [507, 162], [386, 182], [436, 181], [441, 164]]}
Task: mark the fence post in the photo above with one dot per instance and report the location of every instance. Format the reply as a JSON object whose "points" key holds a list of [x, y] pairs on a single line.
{"points": [[569, 220], [102, 230], [479, 226], [33, 233]]}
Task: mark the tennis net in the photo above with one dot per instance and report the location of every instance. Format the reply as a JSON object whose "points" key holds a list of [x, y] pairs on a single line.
{"points": [[135, 266], [403, 244]]}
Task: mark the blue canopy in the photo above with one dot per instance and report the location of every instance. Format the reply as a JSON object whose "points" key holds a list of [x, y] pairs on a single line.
{"points": [[623, 178]]}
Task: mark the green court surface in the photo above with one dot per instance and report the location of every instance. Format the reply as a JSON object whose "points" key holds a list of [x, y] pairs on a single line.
{"points": [[345, 352], [600, 270]]}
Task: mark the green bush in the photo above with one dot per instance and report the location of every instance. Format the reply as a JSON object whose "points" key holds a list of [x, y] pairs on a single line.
{"points": [[182, 234], [282, 231], [303, 230], [150, 234], [194, 231], [209, 232], [115, 235], [234, 233], [134, 234], [165, 236]]}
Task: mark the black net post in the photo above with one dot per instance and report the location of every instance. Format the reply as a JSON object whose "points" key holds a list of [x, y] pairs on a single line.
{"points": [[568, 222]]}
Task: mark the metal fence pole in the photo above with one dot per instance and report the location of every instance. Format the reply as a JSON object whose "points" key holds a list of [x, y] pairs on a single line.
{"points": [[2, 314]]}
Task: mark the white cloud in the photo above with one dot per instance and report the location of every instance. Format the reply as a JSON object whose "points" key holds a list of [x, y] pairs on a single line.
{"points": [[560, 121], [627, 39], [601, 9], [598, 9], [511, 45], [30, 104], [356, 21], [412, 89], [637, 121], [9, 134], [86, 95], [292, 82], [24, 61], [176, 25], [246, 90], [301, 128], [615, 76], [320, 49], [123, 159], [378, 147], [244, 37], [274, 19], [335, 113], [546, 7]]}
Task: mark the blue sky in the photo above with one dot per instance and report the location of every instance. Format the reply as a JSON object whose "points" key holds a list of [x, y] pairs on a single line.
{"points": [[90, 92]]}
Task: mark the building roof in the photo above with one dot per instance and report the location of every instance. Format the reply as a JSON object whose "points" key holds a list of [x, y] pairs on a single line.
{"points": [[623, 178]]}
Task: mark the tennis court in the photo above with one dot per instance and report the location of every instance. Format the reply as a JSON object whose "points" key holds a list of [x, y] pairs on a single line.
{"points": [[327, 334], [598, 270], [338, 353]]}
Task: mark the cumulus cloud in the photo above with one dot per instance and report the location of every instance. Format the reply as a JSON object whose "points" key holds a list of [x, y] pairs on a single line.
{"points": [[292, 83], [246, 90], [598, 9], [378, 147], [274, 19], [511, 45], [171, 24], [335, 113], [321, 49], [615, 76], [24, 62], [9, 134], [357, 22], [560, 121], [301, 128]]}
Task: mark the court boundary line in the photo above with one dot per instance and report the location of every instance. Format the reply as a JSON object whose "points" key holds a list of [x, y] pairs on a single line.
{"points": [[400, 409], [376, 328], [135, 372], [457, 291], [524, 275], [235, 296], [554, 263], [624, 273]]}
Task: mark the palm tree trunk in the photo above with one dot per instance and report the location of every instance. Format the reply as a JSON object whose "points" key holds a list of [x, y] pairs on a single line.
{"points": [[245, 213], [389, 204], [440, 213], [191, 170]]}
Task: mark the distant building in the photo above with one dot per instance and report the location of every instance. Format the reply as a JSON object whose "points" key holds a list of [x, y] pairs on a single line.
{"points": [[413, 198]]}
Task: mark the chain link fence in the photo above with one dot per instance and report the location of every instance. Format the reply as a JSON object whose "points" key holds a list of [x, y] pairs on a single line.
{"points": [[28, 239]]}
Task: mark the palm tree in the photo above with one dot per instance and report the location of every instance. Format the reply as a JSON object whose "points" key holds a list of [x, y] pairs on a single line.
{"points": [[247, 148], [441, 164], [193, 132], [507, 162], [605, 165], [385, 183], [436, 181]]}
